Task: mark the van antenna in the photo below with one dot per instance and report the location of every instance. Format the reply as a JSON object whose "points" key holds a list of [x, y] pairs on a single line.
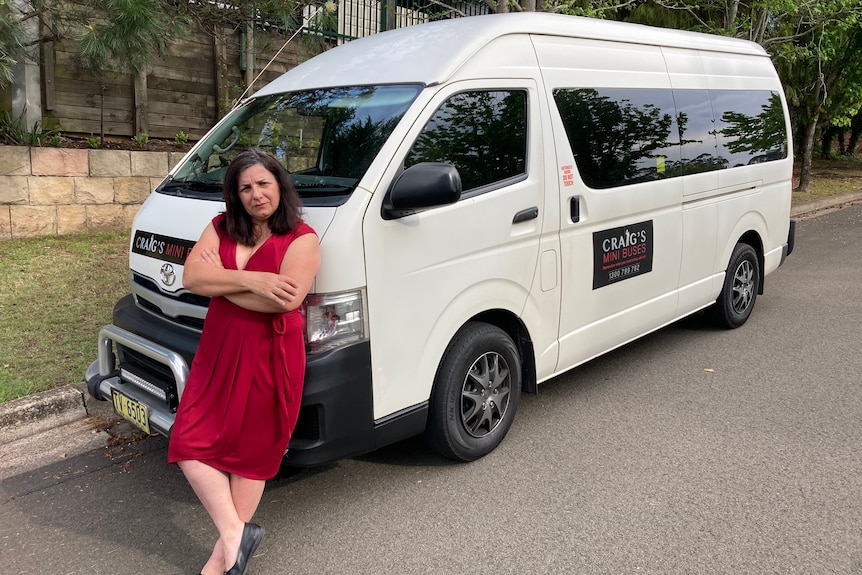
{"points": [[271, 60]]}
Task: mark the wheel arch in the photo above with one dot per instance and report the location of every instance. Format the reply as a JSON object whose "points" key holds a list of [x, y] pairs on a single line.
{"points": [[749, 229], [752, 238], [515, 328]]}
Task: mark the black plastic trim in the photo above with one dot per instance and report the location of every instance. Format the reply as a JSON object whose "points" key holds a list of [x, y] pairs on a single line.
{"points": [[401, 425], [182, 340], [791, 237], [338, 392]]}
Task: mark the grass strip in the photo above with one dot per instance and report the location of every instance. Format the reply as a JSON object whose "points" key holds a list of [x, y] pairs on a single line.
{"points": [[56, 292]]}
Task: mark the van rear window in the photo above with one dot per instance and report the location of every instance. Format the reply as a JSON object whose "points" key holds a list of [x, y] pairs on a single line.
{"points": [[623, 136]]}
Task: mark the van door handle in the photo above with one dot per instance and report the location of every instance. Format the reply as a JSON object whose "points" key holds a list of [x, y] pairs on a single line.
{"points": [[575, 209], [524, 215]]}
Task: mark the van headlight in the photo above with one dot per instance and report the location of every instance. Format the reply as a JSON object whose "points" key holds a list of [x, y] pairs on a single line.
{"points": [[334, 320]]}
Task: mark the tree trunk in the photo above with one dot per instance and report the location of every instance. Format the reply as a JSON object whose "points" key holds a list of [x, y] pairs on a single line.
{"points": [[826, 141], [391, 21], [102, 115], [142, 103], [730, 15], [807, 155], [249, 56], [855, 130]]}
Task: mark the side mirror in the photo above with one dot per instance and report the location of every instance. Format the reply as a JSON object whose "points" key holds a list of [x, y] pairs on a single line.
{"points": [[425, 185]]}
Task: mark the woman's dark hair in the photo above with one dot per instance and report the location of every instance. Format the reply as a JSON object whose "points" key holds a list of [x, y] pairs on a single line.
{"points": [[237, 222]]}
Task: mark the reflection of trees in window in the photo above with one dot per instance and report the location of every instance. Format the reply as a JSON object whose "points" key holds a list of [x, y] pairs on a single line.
{"points": [[483, 134], [619, 136], [756, 137], [350, 140], [345, 126], [623, 136], [354, 144]]}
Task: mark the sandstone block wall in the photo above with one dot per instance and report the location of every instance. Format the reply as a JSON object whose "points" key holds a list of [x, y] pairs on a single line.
{"points": [[46, 191]]}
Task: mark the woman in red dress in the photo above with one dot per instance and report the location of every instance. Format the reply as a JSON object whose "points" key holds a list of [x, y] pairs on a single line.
{"points": [[241, 401]]}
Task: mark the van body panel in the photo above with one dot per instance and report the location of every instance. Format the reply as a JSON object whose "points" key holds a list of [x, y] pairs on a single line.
{"points": [[344, 268], [697, 266], [593, 318], [685, 69], [440, 267], [725, 71], [162, 217], [578, 62]]}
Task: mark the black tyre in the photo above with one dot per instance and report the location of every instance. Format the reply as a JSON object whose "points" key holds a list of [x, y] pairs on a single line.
{"points": [[476, 393], [741, 284]]}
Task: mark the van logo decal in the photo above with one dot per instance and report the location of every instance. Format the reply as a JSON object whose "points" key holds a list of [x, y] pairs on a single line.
{"points": [[168, 275], [622, 253], [167, 249]]}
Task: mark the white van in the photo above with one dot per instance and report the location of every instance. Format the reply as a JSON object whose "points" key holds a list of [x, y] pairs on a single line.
{"points": [[498, 199]]}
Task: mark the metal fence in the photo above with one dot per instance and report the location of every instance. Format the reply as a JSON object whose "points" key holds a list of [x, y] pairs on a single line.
{"points": [[359, 18]]}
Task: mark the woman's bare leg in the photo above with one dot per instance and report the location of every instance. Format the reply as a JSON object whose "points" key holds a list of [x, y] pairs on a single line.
{"points": [[213, 488], [246, 494], [215, 564]]}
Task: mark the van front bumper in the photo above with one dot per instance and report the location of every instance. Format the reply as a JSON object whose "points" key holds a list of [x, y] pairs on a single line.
{"points": [[336, 416]]}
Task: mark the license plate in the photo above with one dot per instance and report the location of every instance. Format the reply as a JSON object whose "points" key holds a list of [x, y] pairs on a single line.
{"points": [[133, 411]]}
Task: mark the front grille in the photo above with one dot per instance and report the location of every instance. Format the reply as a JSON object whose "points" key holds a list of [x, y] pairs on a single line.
{"points": [[184, 320], [151, 371], [185, 297]]}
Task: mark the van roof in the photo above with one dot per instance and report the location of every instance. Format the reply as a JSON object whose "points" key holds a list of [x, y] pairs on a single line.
{"points": [[430, 53]]}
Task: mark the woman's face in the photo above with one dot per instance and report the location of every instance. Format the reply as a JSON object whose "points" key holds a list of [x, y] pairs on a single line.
{"points": [[258, 192]]}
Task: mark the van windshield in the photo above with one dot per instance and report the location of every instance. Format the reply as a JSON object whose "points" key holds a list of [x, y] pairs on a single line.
{"points": [[327, 139]]}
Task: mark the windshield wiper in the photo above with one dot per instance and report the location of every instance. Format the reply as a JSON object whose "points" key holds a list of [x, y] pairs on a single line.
{"points": [[192, 185], [319, 188]]}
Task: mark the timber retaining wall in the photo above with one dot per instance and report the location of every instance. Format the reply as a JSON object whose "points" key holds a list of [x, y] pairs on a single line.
{"points": [[52, 191]]}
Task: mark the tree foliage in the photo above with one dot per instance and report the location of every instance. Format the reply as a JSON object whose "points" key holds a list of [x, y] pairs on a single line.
{"points": [[123, 34]]}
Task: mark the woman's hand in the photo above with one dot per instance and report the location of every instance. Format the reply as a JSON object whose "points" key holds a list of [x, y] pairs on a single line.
{"points": [[212, 257], [277, 288]]}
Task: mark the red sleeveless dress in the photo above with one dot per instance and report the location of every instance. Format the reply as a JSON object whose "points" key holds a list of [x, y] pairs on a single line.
{"points": [[244, 389]]}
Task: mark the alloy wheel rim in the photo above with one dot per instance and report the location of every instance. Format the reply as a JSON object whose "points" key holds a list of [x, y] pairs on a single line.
{"points": [[485, 394], [743, 287]]}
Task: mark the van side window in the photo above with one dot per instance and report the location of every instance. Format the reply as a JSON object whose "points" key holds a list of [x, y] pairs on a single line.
{"points": [[620, 136], [482, 133], [623, 136], [699, 149], [749, 126]]}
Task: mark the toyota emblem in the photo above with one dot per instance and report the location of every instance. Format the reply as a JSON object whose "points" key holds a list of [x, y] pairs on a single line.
{"points": [[167, 274]]}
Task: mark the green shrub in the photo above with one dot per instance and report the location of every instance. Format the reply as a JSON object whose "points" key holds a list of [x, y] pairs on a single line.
{"points": [[94, 142], [181, 138], [55, 140], [141, 140], [13, 131]]}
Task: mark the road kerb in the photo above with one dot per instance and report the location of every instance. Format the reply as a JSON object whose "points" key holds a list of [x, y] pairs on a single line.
{"points": [[823, 203], [40, 412]]}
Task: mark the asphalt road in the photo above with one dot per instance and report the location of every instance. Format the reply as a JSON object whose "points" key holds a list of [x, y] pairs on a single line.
{"points": [[693, 450]]}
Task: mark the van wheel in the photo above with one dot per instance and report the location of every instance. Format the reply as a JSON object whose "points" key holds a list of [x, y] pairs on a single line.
{"points": [[741, 284], [476, 393]]}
